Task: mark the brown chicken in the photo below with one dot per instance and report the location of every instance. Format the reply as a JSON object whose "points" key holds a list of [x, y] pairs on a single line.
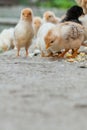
{"points": [[68, 35]]}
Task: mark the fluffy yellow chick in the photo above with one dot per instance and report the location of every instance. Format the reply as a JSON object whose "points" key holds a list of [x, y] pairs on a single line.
{"points": [[6, 39], [23, 32], [37, 21], [49, 16], [40, 43], [68, 35], [83, 4]]}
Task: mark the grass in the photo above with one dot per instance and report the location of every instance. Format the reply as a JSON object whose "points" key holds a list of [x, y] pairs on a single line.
{"points": [[58, 3], [24, 2], [51, 3], [63, 3]]}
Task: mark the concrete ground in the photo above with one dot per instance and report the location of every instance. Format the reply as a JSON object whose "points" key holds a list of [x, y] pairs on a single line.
{"points": [[42, 93]]}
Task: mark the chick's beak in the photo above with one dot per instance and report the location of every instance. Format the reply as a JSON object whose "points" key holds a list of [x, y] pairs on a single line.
{"points": [[26, 15], [47, 46]]}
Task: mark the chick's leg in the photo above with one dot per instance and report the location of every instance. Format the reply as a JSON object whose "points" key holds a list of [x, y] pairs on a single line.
{"points": [[63, 53], [75, 53], [18, 50], [26, 51]]}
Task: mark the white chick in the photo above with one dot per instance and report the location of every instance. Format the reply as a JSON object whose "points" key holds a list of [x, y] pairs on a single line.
{"points": [[7, 39], [23, 32], [83, 4], [49, 16], [68, 35], [37, 21], [40, 43]]}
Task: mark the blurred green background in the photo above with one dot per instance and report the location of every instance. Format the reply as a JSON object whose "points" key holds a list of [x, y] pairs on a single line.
{"points": [[50, 3]]}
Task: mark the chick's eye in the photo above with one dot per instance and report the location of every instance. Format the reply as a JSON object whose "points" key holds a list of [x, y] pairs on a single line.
{"points": [[52, 41], [29, 14], [22, 13], [50, 16]]}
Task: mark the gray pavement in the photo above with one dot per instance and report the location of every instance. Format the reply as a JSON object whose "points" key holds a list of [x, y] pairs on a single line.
{"points": [[42, 93]]}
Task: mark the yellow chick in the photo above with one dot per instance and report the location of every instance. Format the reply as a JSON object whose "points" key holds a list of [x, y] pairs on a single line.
{"points": [[37, 21], [68, 35], [7, 39], [83, 4], [24, 32], [49, 16], [40, 43]]}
